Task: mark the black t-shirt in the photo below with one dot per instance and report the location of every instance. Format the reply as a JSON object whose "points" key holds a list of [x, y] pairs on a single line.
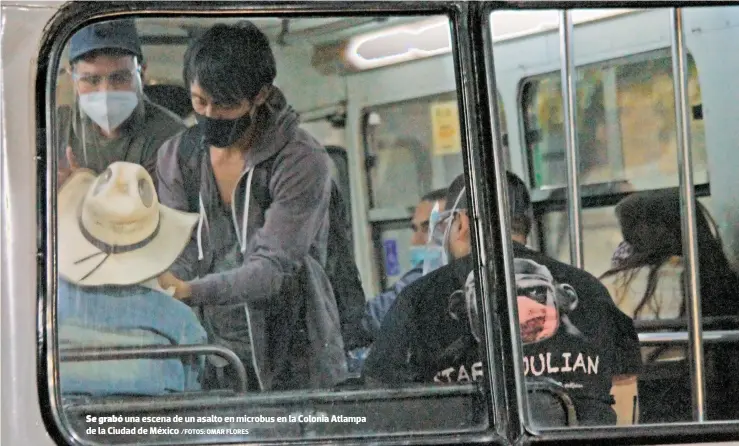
{"points": [[426, 336], [422, 338]]}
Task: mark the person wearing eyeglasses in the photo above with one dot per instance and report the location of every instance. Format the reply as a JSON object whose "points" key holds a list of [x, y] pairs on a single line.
{"points": [[422, 256], [377, 307], [111, 119], [571, 330]]}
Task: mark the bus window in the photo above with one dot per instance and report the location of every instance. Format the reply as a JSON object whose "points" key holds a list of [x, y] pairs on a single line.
{"points": [[413, 148], [626, 136], [625, 128], [628, 170], [422, 137], [601, 235], [172, 238]]}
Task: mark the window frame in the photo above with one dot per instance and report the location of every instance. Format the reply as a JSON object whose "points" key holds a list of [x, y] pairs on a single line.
{"points": [[471, 42], [73, 17], [592, 192], [394, 218], [552, 198], [431, 99], [672, 433]]}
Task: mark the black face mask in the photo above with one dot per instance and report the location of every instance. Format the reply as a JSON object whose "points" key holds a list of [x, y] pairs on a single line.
{"points": [[223, 132]]}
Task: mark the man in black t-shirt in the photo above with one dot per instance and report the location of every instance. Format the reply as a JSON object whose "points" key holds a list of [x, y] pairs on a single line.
{"points": [[572, 331]]}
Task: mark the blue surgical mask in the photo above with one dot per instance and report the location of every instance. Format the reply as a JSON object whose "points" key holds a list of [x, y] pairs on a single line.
{"points": [[417, 254], [426, 257]]}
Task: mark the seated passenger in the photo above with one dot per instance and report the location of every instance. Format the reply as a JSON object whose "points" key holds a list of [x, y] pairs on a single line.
{"points": [[377, 307], [422, 256], [262, 186], [114, 240], [571, 330], [646, 280]]}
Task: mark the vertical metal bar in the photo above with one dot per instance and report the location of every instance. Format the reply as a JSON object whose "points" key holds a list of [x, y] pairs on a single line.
{"points": [[506, 251], [688, 207], [613, 124], [569, 113]]}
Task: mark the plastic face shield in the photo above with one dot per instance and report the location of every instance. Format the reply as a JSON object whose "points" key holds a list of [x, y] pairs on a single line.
{"points": [[447, 218], [440, 227], [108, 108], [434, 255]]}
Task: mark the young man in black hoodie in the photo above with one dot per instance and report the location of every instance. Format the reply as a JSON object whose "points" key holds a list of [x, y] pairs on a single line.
{"points": [[262, 187], [571, 330]]}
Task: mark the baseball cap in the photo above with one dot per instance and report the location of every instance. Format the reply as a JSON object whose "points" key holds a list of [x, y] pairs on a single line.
{"points": [[117, 34]]}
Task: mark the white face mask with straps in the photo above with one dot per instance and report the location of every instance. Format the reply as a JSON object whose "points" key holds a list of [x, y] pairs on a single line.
{"points": [[109, 109], [439, 234]]}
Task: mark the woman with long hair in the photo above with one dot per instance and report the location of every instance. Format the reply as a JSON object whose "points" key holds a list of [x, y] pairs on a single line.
{"points": [[651, 228]]}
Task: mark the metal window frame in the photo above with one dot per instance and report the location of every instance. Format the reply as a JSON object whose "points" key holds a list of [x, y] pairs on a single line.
{"points": [[72, 17], [664, 433], [543, 196], [492, 253]]}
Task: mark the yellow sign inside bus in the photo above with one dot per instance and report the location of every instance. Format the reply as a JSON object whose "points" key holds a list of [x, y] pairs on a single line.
{"points": [[445, 125]]}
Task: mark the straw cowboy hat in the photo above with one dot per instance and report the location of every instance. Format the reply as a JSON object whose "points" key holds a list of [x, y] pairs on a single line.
{"points": [[114, 231]]}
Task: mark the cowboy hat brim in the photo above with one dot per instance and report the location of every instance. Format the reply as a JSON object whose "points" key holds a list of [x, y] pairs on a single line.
{"points": [[77, 257]]}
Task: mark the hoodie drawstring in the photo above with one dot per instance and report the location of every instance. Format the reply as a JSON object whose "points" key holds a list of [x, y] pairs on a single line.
{"points": [[241, 237], [201, 219]]}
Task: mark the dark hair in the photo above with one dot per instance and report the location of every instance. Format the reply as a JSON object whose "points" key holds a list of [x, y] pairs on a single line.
{"points": [[435, 195], [230, 62], [650, 223], [519, 202], [454, 191]]}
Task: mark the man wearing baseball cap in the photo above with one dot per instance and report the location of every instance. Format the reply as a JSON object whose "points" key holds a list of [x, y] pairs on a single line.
{"points": [[111, 119]]}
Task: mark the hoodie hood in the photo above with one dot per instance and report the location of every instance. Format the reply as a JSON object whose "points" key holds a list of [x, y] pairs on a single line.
{"points": [[277, 123]]}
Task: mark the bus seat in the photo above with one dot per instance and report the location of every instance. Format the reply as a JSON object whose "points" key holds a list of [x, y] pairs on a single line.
{"points": [[549, 404], [172, 97], [664, 392], [187, 353]]}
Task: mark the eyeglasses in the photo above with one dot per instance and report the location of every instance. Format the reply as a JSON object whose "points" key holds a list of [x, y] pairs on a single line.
{"points": [[117, 79], [421, 227]]}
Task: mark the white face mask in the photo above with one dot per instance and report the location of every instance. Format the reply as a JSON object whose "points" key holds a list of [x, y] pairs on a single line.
{"points": [[109, 109]]}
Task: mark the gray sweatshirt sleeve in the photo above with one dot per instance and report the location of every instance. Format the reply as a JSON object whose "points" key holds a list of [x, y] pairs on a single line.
{"points": [[171, 192], [300, 189]]}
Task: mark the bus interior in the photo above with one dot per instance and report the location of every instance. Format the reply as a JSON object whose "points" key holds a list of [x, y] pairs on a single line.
{"points": [[406, 96]]}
